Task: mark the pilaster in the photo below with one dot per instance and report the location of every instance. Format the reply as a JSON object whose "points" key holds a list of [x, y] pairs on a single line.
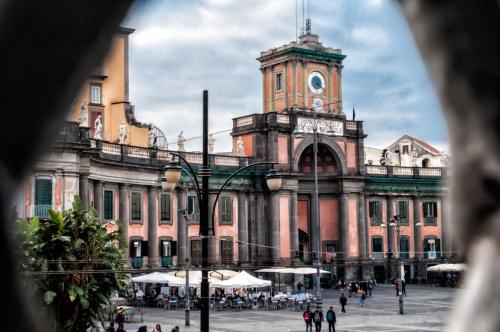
{"points": [[153, 248]]}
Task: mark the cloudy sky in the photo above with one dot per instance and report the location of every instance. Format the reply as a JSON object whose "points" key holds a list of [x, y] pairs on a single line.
{"points": [[182, 47]]}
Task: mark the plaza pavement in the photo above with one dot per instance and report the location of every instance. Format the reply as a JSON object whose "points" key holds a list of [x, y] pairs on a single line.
{"points": [[426, 309]]}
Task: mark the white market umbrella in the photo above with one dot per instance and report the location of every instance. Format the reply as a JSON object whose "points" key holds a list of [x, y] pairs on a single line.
{"points": [[245, 280], [275, 270], [447, 267], [158, 278], [307, 270], [222, 274], [194, 278]]}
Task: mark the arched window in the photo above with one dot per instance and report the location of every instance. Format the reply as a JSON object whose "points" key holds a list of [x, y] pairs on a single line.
{"points": [[326, 161], [426, 162]]}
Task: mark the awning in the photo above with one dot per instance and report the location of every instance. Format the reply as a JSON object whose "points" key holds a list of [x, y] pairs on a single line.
{"points": [[158, 278], [245, 280], [447, 267]]}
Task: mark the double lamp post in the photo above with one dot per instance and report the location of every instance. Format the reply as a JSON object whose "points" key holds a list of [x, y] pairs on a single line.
{"points": [[173, 172], [396, 222]]}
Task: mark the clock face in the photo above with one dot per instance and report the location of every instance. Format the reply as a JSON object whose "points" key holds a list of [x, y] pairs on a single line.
{"points": [[316, 82]]}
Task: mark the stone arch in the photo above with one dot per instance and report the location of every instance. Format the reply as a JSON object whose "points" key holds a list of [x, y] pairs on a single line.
{"points": [[330, 143]]}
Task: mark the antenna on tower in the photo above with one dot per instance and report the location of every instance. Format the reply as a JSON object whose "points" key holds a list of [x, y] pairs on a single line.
{"points": [[308, 20], [302, 30], [296, 22]]}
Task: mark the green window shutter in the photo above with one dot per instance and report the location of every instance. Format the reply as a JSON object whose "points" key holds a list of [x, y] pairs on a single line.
{"points": [[226, 210], [165, 207], [136, 206], [43, 192], [108, 204]]}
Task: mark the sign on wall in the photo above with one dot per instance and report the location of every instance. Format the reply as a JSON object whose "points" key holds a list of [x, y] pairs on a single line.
{"points": [[324, 126]]}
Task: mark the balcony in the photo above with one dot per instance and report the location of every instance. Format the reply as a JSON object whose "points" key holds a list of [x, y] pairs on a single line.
{"points": [[137, 262], [408, 172], [378, 255], [42, 210]]}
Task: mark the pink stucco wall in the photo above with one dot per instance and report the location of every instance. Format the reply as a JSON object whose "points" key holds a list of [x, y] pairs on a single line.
{"points": [[376, 230], [329, 219], [351, 155], [303, 214], [283, 149], [352, 212], [225, 230], [285, 227]]}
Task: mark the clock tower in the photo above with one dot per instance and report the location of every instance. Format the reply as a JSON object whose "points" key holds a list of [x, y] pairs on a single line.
{"points": [[302, 75]]}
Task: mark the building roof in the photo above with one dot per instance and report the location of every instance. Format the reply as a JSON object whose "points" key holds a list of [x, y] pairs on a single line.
{"points": [[423, 144]]}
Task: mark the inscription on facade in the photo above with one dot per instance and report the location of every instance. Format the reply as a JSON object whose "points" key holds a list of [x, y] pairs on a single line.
{"points": [[324, 126]]}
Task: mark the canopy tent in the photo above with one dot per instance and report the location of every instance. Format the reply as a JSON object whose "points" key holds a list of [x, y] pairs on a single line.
{"points": [[245, 280], [194, 278], [158, 278], [222, 274], [298, 270], [447, 267]]}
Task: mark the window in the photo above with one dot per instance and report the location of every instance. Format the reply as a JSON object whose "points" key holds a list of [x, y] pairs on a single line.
{"points": [[330, 251], [425, 163], [135, 203], [226, 250], [196, 252], [430, 212], [375, 212], [377, 248], [406, 149], [108, 204], [43, 198], [138, 249], [168, 248], [95, 93], [193, 208], [404, 247], [225, 209], [403, 211], [165, 200], [432, 248], [279, 81]]}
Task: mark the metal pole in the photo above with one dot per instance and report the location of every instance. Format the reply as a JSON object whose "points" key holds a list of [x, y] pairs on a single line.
{"points": [[204, 316], [316, 198], [188, 295]]}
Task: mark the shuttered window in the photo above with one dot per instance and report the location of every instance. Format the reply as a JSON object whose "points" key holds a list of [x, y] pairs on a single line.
{"points": [[403, 211], [165, 209], [226, 250], [226, 210], [430, 212], [108, 204], [375, 212], [43, 192], [193, 209], [135, 203]]}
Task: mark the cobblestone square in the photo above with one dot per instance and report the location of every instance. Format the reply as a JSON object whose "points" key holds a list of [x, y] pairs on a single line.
{"points": [[425, 309]]}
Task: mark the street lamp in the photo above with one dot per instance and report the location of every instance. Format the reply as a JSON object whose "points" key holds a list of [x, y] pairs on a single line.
{"points": [[173, 172], [396, 222], [316, 195]]}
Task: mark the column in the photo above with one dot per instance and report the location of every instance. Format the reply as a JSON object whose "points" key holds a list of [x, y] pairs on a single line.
{"points": [[445, 230], [84, 189], [98, 198], [294, 83], [263, 71], [314, 224], [294, 225], [243, 227], [285, 84], [275, 225], [362, 230], [123, 212], [390, 230], [252, 221], [329, 83], [344, 227], [339, 83], [181, 226], [417, 230], [213, 256], [304, 85], [262, 231], [271, 87], [153, 248]]}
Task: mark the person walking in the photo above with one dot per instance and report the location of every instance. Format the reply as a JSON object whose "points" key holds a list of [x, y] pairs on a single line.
{"points": [[175, 329], [331, 319], [308, 318], [349, 288], [396, 284], [343, 302], [403, 286], [370, 288], [318, 318], [157, 328], [120, 328], [143, 328], [362, 298]]}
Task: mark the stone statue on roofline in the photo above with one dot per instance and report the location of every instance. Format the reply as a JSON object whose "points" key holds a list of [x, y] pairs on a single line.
{"points": [[83, 118], [180, 141], [98, 127], [211, 143], [240, 148], [123, 131]]}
